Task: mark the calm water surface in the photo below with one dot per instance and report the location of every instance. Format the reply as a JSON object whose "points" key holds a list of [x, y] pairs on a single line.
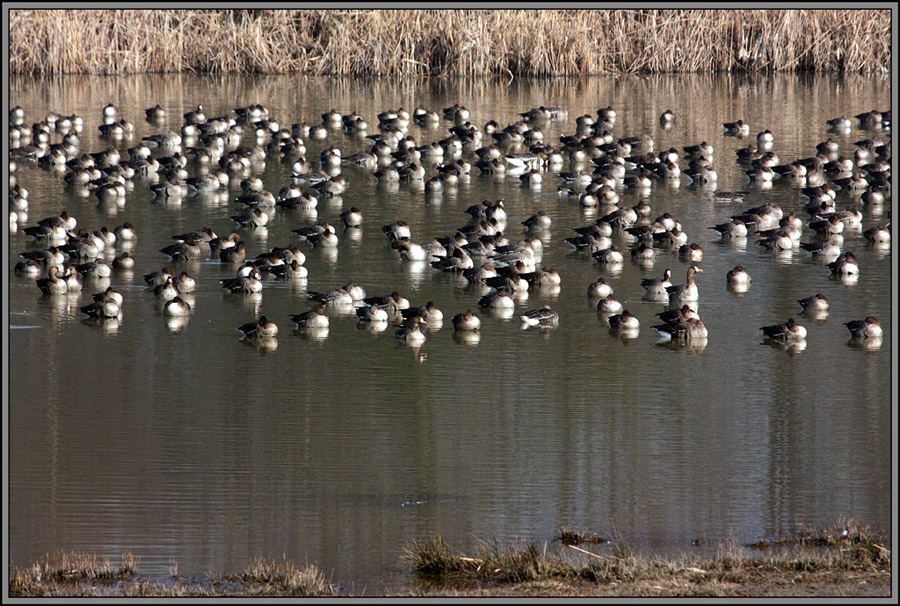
{"points": [[193, 447]]}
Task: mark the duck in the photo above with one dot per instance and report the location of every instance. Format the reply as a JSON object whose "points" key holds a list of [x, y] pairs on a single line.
{"points": [[643, 253], [289, 271], [29, 268], [399, 230], [466, 321], [686, 330], [155, 113], [53, 284], [94, 270], [481, 273], [611, 255], [845, 264], [104, 308], [260, 329], [655, 288], [48, 256], [156, 278], [546, 276], [185, 283], [458, 260], [410, 251], [251, 283], [685, 292], [878, 234], [394, 298], [333, 187], [325, 239], [680, 314], [315, 318], [429, 312], [739, 127], [497, 300], [609, 305], [830, 247], [371, 313], [252, 218], [166, 291], [827, 227], [817, 302], [177, 308], [186, 250], [737, 276], [234, 254], [199, 236], [543, 316], [336, 298], [352, 217], [788, 331], [765, 137], [691, 252], [624, 320], [863, 329], [736, 228], [599, 289], [125, 232], [73, 283], [411, 334]]}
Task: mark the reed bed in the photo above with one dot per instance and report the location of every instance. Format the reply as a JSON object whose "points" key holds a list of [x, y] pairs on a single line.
{"points": [[448, 42]]}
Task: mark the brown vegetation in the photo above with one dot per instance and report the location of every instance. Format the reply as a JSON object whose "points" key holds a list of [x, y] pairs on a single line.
{"points": [[448, 42], [846, 560]]}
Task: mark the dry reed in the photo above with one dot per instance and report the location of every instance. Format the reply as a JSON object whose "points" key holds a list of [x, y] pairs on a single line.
{"points": [[448, 42]]}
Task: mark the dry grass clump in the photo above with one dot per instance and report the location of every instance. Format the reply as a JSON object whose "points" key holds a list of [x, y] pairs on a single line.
{"points": [[265, 577], [851, 542], [836, 562], [69, 569], [76, 574], [448, 42]]}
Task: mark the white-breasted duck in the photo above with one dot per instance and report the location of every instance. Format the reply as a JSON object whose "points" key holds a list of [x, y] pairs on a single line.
{"points": [[685, 330], [863, 329], [411, 334], [262, 328], [737, 276], [177, 308], [817, 302], [687, 292], [315, 318], [466, 321], [624, 321], [786, 332]]}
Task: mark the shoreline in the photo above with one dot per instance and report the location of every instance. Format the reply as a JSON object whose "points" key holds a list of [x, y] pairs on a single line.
{"points": [[846, 560]]}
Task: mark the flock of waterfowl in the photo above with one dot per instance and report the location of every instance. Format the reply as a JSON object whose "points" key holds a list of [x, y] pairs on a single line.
{"points": [[481, 251]]}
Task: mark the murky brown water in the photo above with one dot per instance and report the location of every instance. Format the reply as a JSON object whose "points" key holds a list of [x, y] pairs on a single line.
{"points": [[193, 447]]}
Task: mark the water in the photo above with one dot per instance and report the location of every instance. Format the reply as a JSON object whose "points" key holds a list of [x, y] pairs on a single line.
{"points": [[193, 449]]}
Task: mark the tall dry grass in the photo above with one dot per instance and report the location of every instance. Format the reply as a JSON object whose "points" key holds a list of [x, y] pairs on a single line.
{"points": [[448, 42]]}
